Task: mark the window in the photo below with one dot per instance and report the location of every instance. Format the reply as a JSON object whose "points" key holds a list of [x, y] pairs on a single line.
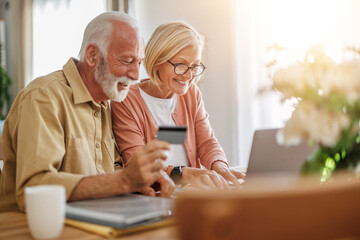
{"points": [[58, 27], [295, 25]]}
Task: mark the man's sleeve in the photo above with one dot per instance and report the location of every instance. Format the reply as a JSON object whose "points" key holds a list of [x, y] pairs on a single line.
{"points": [[40, 145]]}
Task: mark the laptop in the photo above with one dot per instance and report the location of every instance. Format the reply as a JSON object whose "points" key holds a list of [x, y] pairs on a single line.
{"points": [[268, 157], [123, 211]]}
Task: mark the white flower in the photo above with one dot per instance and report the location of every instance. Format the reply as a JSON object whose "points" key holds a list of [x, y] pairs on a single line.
{"points": [[328, 94], [344, 79], [289, 81], [313, 123]]}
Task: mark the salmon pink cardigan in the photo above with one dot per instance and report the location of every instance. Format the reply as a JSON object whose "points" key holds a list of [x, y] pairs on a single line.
{"points": [[134, 126]]}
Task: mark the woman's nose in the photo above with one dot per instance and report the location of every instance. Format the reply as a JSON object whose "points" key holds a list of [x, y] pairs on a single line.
{"points": [[188, 75]]}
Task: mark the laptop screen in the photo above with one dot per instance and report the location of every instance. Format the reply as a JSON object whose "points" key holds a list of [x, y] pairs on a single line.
{"points": [[267, 156]]}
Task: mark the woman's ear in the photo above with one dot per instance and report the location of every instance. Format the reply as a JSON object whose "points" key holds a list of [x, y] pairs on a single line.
{"points": [[92, 55]]}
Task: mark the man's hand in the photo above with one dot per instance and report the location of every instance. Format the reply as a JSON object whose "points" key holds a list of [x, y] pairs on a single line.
{"points": [[202, 178], [144, 168], [141, 172], [230, 175]]}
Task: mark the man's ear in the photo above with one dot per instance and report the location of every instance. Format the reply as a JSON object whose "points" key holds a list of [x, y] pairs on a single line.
{"points": [[92, 55]]}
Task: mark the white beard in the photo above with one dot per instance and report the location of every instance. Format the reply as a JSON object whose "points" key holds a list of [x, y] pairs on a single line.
{"points": [[109, 82]]}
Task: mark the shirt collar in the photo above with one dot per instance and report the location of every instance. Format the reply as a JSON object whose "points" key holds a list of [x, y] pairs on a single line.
{"points": [[80, 92]]}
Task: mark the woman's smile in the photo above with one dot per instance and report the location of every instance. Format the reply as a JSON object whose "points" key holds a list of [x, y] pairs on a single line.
{"points": [[183, 83]]}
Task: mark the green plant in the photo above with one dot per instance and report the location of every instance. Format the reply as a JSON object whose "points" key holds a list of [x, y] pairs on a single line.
{"points": [[5, 83]]}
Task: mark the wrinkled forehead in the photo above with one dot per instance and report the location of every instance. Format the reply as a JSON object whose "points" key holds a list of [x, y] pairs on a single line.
{"points": [[124, 31], [126, 38]]}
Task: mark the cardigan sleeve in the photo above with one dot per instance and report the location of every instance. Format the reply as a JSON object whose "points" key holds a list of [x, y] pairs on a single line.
{"points": [[207, 146], [128, 130]]}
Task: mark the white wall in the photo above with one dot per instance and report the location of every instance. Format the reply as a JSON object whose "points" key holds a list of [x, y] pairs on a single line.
{"points": [[211, 18]]}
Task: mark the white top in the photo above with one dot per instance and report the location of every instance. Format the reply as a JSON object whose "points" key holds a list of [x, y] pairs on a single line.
{"points": [[161, 110]]}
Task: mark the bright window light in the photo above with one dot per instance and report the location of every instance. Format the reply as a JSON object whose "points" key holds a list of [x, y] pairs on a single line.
{"points": [[58, 27]]}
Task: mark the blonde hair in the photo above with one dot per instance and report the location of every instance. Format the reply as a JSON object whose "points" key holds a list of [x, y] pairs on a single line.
{"points": [[99, 30], [165, 42]]}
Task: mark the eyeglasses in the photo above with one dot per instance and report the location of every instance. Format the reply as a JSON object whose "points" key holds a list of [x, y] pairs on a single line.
{"points": [[182, 68]]}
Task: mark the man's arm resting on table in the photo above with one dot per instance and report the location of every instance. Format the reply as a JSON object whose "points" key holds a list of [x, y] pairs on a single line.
{"points": [[104, 185], [141, 172]]}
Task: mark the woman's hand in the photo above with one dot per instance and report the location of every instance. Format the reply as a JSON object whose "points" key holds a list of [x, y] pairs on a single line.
{"points": [[163, 187], [203, 178], [230, 175]]}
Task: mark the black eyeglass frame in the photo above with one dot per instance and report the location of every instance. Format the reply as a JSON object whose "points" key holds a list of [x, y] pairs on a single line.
{"points": [[195, 75]]}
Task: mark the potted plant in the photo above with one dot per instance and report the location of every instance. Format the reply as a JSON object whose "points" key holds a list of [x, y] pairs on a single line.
{"points": [[5, 83]]}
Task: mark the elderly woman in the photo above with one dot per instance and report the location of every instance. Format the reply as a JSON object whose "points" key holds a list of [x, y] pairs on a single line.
{"points": [[171, 98]]}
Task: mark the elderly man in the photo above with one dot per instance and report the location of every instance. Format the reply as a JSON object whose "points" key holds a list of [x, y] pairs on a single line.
{"points": [[58, 130]]}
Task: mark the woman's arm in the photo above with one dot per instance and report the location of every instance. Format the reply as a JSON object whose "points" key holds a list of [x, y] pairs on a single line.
{"points": [[128, 133], [133, 129], [211, 154], [207, 146]]}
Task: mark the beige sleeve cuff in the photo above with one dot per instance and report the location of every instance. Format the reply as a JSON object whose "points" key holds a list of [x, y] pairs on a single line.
{"points": [[68, 180]]}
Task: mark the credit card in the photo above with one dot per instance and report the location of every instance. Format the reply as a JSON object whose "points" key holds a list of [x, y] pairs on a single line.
{"points": [[172, 134]]}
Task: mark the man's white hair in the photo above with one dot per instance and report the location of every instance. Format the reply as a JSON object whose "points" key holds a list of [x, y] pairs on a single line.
{"points": [[99, 30]]}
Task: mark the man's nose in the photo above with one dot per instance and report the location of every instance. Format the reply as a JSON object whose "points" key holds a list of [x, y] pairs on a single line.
{"points": [[133, 72]]}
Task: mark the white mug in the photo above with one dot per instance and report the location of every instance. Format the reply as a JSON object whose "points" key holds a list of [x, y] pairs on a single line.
{"points": [[45, 210]]}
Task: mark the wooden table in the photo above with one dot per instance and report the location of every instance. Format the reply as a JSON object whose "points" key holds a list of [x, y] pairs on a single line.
{"points": [[13, 225]]}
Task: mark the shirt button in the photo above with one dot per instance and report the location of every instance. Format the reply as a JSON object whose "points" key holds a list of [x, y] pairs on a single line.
{"points": [[96, 114], [97, 145]]}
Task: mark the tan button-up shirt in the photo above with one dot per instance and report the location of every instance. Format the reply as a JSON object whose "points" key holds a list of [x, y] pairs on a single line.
{"points": [[54, 134]]}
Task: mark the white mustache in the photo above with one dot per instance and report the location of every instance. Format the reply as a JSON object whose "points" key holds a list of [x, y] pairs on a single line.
{"points": [[126, 81]]}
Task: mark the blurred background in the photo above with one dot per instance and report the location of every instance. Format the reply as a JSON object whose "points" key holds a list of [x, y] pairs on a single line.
{"points": [[39, 36]]}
